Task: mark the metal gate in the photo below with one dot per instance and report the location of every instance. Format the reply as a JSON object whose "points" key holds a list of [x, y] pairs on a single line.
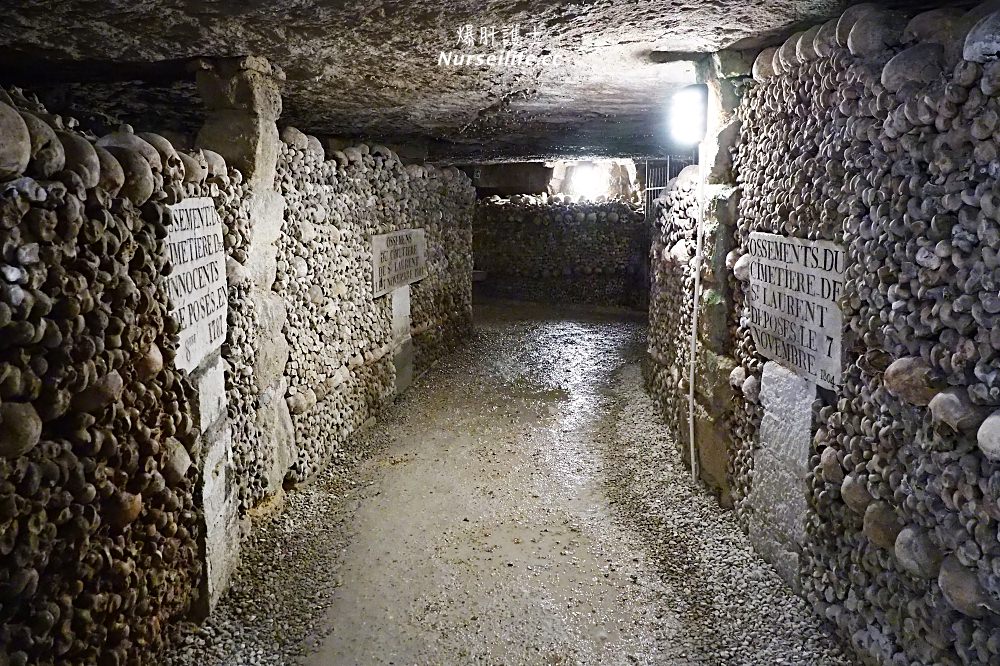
{"points": [[658, 174]]}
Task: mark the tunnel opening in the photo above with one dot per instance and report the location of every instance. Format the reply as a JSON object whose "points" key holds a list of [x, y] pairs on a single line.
{"points": [[536, 334]]}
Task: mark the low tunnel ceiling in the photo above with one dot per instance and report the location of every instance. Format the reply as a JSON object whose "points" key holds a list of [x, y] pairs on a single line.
{"points": [[590, 85]]}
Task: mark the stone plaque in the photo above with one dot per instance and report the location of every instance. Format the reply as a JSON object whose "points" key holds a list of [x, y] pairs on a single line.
{"points": [[792, 304], [398, 259], [197, 284]]}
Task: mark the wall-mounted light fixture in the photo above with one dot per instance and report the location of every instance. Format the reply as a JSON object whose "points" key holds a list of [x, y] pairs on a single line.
{"points": [[687, 114]]}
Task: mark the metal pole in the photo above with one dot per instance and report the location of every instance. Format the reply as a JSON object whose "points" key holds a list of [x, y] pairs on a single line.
{"points": [[696, 297]]}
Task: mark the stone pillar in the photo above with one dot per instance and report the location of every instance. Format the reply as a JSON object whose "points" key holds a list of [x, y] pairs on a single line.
{"points": [[402, 343], [243, 101], [780, 467], [219, 494], [714, 360]]}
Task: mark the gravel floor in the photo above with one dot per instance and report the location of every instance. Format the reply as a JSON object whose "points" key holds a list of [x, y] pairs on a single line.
{"points": [[521, 505]]}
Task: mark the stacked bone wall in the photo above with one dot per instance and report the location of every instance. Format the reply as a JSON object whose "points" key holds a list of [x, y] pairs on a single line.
{"points": [[441, 304], [874, 131], [251, 457], [672, 258], [340, 370], [99, 520], [593, 253]]}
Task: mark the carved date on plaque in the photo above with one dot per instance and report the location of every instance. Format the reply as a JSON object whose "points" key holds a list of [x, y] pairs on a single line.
{"points": [[197, 283], [792, 305]]}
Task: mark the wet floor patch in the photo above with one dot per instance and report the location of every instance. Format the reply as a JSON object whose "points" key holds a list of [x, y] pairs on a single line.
{"points": [[507, 511]]}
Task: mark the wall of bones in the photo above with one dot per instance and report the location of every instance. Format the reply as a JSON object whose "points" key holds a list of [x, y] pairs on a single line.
{"points": [[878, 131], [99, 517], [562, 252], [124, 481], [340, 370]]}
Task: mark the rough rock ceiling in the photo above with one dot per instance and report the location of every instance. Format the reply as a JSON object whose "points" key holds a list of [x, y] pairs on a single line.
{"points": [[371, 68]]}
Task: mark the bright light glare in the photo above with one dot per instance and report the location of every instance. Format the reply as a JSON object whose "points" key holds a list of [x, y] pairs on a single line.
{"points": [[687, 116], [590, 181]]}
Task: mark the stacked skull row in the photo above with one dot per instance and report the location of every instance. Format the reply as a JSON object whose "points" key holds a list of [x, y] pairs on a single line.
{"points": [[233, 199], [879, 131], [340, 370], [99, 526], [672, 269], [544, 250]]}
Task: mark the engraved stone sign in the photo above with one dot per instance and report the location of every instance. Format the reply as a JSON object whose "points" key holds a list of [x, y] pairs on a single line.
{"points": [[792, 305], [398, 258], [197, 283]]}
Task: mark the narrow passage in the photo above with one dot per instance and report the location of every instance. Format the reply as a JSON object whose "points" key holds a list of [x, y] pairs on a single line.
{"points": [[521, 505]]}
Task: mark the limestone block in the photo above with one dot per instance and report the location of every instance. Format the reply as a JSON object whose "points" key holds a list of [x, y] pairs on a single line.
{"points": [[278, 432], [711, 437], [267, 212], [220, 502], [712, 385], [779, 494], [724, 205], [720, 158], [403, 361], [243, 98], [250, 84], [787, 400], [780, 555], [723, 99], [210, 382], [777, 526], [781, 464], [401, 313], [713, 320], [732, 64], [273, 353], [248, 142]]}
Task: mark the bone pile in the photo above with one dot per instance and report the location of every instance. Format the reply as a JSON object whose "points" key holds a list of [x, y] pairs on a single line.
{"points": [[880, 131], [207, 175], [547, 250], [672, 260], [441, 303], [98, 523], [340, 370]]}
